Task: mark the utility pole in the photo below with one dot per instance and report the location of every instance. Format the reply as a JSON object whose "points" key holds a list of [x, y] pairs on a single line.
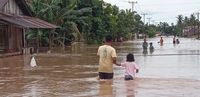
{"points": [[149, 20], [153, 22], [133, 3], [144, 14]]}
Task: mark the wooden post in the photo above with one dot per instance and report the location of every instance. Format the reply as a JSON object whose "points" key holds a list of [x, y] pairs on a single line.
{"points": [[38, 45], [50, 39]]}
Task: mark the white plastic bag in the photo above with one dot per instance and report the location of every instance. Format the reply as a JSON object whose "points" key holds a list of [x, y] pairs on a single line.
{"points": [[33, 62]]}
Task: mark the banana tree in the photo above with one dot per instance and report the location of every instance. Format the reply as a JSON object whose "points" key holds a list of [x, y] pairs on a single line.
{"points": [[61, 13]]}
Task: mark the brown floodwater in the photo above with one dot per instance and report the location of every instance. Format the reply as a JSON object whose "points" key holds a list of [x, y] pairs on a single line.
{"points": [[169, 71]]}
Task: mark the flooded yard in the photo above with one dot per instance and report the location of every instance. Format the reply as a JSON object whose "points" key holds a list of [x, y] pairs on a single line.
{"points": [[169, 71]]}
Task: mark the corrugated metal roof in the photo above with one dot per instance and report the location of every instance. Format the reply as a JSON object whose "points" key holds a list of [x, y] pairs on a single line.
{"points": [[26, 21], [2, 3]]}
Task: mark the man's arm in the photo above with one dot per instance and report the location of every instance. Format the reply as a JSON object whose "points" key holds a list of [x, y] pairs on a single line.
{"points": [[114, 60], [114, 57]]}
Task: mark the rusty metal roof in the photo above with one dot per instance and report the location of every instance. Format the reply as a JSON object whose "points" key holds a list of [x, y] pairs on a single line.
{"points": [[26, 21], [2, 3]]}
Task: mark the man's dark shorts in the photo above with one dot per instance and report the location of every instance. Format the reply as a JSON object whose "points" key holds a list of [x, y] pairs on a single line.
{"points": [[103, 75]]}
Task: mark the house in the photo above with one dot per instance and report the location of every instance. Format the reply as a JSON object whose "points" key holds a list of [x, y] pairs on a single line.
{"points": [[15, 19], [190, 31]]}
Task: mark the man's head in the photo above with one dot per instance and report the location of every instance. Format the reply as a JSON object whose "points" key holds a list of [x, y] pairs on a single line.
{"points": [[108, 38]]}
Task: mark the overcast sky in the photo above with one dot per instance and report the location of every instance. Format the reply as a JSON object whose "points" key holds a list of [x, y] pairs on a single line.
{"points": [[160, 10]]}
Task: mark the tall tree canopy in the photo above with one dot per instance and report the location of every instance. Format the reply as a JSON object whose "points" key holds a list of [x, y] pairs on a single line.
{"points": [[85, 20]]}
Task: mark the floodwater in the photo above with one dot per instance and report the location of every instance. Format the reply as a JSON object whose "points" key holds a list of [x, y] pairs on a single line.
{"points": [[169, 71]]}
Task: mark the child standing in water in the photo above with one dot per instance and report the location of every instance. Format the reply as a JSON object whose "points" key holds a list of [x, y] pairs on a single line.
{"points": [[151, 48], [131, 68]]}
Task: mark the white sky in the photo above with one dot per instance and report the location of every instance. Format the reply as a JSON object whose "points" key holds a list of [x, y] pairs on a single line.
{"points": [[160, 10]]}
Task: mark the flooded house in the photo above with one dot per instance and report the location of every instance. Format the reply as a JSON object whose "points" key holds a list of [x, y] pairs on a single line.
{"points": [[15, 19], [190, 31]]}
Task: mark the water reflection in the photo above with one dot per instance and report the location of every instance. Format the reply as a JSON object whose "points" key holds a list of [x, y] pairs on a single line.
{"points": [[106, 88], [130, 88], [151, 51], [145, 52]]}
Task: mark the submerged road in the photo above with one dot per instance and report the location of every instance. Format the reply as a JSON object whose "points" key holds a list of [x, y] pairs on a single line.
{"points": [[169, 71]]}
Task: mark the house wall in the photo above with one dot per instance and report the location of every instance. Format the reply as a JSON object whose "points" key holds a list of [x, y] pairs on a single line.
{"points": [[190, 31], [15, 35], [3, 37]]}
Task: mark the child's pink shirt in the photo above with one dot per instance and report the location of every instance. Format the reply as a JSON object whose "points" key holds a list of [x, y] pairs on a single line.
{"points": [[130, 68]]}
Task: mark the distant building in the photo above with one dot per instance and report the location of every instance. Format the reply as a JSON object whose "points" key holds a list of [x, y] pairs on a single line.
{"points": [[190, 31], [15, 19]]}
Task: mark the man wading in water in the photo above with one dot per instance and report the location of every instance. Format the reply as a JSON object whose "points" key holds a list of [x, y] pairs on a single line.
{"points": [[107, 57]]}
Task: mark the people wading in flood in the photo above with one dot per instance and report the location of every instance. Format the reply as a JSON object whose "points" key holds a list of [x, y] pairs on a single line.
{"points": [[151, 48], [131, 68], [161, 41], [107, 57], [177, 41], [174, 40], [145, 44]]}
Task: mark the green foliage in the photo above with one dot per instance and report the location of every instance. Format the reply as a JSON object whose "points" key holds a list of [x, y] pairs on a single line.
{"points": [[151, 31], [86, 20]]}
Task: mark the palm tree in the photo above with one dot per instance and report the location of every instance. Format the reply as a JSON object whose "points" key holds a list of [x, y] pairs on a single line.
{"points": [[180, 24], [193, 22]]}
